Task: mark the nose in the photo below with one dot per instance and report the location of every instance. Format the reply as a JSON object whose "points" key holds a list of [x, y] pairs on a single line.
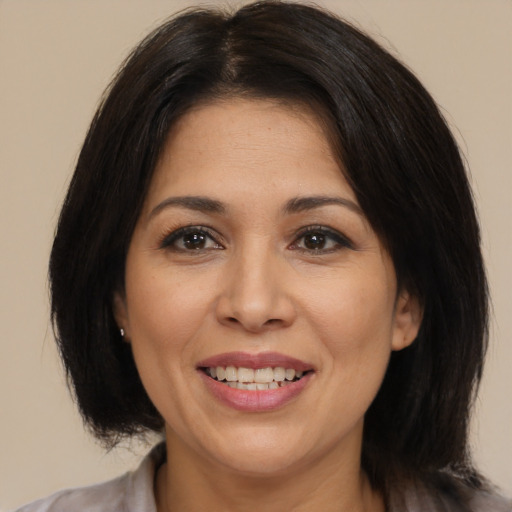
{"points": [[254, 295]]}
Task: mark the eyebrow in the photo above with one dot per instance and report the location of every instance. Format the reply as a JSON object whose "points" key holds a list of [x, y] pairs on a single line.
{"points": [[294, 205], [300, 204], [197, 203]]}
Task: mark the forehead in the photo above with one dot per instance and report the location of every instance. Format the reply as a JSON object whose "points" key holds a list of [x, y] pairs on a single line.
{"points": [[249, 146]]}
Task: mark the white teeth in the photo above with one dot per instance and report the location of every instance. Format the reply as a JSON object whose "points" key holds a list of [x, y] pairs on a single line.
{"points": [[259, 379], [221, 373], [231, 374], [264, 375], [261, 386], [245, 375], [279, 374], [253, 386]]}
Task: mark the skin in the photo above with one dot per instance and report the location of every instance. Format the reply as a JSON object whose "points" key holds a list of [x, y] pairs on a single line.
{"points": [[259, 284]]}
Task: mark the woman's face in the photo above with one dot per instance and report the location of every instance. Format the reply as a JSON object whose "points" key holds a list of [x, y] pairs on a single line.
{"points": [[253, 257]]}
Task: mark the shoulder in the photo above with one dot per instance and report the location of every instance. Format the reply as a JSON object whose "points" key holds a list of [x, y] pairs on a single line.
{"points": [[131, 492], [95, 498]]}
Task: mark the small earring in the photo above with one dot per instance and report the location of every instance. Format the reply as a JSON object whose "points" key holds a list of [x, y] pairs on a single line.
{"points": [[122, 332]]}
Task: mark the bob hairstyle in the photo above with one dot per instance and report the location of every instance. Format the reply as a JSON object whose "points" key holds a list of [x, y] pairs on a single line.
{"points": [[394, 149]]}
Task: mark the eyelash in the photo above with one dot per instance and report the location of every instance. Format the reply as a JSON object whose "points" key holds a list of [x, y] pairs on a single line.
{"points": [[341, 242], [169, 240]]}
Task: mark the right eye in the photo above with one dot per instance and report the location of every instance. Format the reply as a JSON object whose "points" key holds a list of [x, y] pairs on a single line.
{"points": [[190, 239]]}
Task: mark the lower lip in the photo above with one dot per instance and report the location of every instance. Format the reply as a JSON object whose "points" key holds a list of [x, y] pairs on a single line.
{"points": [[255, 400]]}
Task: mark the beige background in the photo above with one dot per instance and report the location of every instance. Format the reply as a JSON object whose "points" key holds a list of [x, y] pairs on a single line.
{"points": [[56, 57]]}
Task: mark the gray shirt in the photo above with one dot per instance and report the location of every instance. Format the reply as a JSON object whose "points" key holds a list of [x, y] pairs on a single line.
{"points": [[134, 492]]}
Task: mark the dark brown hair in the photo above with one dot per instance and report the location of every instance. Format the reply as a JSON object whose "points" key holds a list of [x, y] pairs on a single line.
{"points": [[401, 160]]}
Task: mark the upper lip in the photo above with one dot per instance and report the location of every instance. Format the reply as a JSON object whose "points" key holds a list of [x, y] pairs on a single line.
{"points": [[255, 361]]}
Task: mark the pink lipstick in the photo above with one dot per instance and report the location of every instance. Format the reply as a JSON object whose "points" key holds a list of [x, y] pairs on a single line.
{"points": [[255, 382], [254, 361]]}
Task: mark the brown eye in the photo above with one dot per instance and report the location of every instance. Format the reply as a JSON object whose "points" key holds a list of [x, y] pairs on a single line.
{"points": [[320, 240], [314, 241], [190, 239], [194, 241]]}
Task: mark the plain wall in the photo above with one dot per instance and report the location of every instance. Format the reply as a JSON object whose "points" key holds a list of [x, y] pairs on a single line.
{"points": [[57, 56]]}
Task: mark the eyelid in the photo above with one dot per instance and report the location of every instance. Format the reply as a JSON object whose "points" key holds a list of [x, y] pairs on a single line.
{"points": [[341, 240], [167, 240]]}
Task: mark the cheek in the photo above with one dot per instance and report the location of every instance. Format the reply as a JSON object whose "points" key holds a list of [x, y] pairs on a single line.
{"points": [[359, 309], [164, 306], [166, 317], [353, 318]]}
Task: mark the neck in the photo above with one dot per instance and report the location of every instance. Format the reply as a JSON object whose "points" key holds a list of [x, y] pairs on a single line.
{"points": [[187, 483]]}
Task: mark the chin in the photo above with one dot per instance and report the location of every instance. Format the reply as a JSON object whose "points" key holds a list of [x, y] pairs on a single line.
{"points": [[263, 465], [258, 454]]}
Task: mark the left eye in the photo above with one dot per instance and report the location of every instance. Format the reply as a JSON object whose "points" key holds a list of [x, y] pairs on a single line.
{"points": [[190, 239], [318, 240]]}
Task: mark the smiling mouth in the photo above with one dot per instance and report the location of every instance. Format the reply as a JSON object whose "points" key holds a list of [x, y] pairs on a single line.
{"points": [[254, 379]]}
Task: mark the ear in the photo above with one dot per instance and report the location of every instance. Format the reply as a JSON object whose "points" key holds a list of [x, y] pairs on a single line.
{"points": [[121, 314], [408, 317]]}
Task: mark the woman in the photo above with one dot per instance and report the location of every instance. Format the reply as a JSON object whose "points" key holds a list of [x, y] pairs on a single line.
{"points": [[269, 252]]}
